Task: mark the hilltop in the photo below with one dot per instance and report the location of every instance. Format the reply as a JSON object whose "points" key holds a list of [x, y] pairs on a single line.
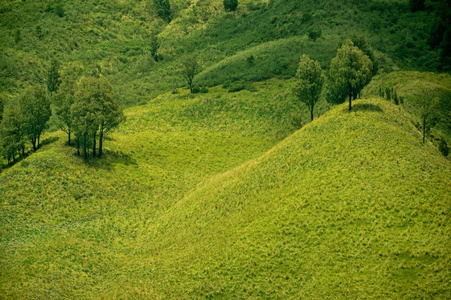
{"points": [[192, 202]]}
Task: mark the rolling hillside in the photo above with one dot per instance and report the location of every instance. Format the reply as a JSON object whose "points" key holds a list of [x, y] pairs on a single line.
{"points": [[114, 38], [198, 203]]}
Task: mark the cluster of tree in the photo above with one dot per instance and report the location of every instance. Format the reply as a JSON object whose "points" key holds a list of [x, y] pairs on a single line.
{"points": [[391, 94], [87, 110], [24, 122], [351, 69]]}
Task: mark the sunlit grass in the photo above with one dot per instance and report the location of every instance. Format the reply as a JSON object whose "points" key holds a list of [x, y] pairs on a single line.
{"points": [[213, 196]]}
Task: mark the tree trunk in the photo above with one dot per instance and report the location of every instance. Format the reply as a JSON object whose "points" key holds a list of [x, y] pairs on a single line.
{"points": [[100, 140], [68, 142], [85, 146], [94, 146], [350, 100], [33, 141], [424, 129], [311, 114], [39, 139]]}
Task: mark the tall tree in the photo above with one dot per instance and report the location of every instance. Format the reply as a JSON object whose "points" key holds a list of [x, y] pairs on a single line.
{"points": [[12, 139], [190, 69], [309, 83], [95, 112], [53, 79], [350, 71], [428, 114], [154, 46], [85, 115], [360, 42], [35, 112], [63, 100], [111, 114]]}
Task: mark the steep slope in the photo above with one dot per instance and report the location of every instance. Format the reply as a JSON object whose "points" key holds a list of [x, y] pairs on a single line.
{"points": [[352, 205]]}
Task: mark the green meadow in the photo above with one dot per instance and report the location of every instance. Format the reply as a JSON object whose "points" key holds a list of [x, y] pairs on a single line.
{"points": [[218, 195], [229, 193]]}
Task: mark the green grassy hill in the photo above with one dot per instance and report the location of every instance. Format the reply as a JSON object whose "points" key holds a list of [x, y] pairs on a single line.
{"points": [[202, 197], [113, 37]]}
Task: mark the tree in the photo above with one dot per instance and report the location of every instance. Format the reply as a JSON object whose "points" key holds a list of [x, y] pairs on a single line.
{"points": [[230, 5], [11, 135], [440, 34], [163, 8], [154, 46], [428, 114], [111, 114], [360, 42], [350, 71], [310, 82], [95, 112], [53, 79], [190, 69], [63, 101], [35, 112]]}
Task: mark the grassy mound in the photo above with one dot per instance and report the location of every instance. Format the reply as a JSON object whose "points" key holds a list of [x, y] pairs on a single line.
{"points": [[352, 205]]}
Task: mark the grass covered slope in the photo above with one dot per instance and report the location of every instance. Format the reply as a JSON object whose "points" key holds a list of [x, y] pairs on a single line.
{"points": [[352, 205], [189, 203]]}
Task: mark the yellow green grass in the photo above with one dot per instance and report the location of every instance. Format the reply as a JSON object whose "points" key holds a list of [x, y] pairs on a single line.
{"points": [[212, 196]]}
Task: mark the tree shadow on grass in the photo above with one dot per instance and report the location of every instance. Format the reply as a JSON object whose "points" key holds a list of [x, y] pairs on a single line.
{"points": [[366, 107], [108, 159], [48, 141]]}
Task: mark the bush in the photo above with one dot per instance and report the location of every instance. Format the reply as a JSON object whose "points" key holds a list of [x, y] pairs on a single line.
{"points": [[443, 147], [230, 5], [314, 34]]}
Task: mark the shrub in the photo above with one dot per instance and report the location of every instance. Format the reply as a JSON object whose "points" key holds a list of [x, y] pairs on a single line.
{"points": [[314, 34], [230, 5], [443, 147]]}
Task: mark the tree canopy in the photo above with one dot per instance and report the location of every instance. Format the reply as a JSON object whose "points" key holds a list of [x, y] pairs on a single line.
{"points": [[350, 71], [35, 111], [310, 82]]}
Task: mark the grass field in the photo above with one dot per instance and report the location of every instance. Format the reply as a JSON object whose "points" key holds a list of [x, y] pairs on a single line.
{"points": [[218, 196]]}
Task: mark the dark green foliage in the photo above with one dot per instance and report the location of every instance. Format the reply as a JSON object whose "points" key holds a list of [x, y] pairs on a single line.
{"points": [[443, 147], [395, 98], [34, 113], [360, 42], [163, 8], [309, 83], [12, 136], [314, 34], [440, 34], [350, 71], [17, 36], [95, 112], [250, 60], [230, 5], [53, 78], [190, 69], [416, 5], [428, 114], [388, 93], [154, 46], [2, 107], [63, 101], [39, 32]]}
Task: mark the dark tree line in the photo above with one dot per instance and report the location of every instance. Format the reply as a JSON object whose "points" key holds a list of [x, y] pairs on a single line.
{"points": [[86, 111]]}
